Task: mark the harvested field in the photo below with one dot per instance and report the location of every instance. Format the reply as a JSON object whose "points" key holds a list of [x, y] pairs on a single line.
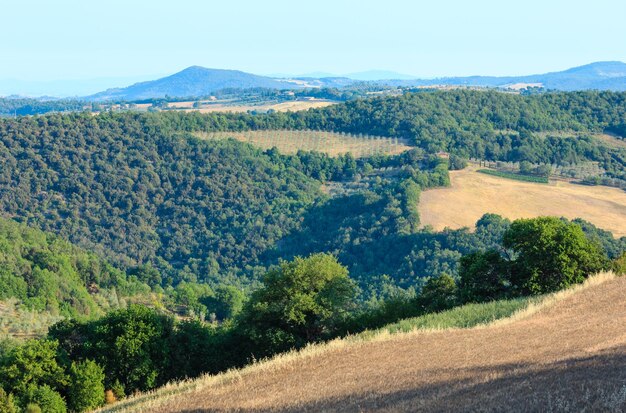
{"points": [[473, 194], [569, 354], [334, 144]]}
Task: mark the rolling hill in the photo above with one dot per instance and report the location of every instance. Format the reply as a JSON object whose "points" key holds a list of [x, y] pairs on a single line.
{"points": [[566, 354], [193, 81]]}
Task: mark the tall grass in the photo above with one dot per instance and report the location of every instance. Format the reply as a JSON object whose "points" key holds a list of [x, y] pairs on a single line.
{"points": [[465, 316]]}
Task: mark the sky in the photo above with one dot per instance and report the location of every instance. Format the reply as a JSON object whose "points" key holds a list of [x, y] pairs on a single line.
{"points": [[128, 40]]}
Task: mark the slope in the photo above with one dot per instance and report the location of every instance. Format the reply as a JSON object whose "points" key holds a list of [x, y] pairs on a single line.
{"points": [[568, 355], [473, 194], [193, 81]]}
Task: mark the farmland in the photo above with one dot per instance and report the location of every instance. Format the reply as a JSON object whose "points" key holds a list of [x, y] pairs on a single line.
{"points": [[291, 141], [567, 351], [292, 105], [473, 194]]}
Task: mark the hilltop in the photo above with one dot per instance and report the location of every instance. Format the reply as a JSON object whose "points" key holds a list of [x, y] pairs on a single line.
{"points": [[193, 81], [568, 352]]}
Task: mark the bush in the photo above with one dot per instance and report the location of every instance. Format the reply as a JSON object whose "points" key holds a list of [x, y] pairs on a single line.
{"points": [[619, 265]]}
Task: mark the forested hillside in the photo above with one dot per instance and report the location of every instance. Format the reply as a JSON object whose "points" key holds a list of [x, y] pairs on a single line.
{"points": [[138, 189], [49, 274], [551, 128]]}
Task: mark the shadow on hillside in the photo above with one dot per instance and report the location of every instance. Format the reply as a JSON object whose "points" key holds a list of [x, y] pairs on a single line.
{"points": [[596, 383]]}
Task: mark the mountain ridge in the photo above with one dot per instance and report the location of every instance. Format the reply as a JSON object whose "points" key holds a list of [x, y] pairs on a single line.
{"points": [[197, 81]]}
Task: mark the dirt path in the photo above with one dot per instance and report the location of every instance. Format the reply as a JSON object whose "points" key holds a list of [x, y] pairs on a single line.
{"points": [[569, 356]]}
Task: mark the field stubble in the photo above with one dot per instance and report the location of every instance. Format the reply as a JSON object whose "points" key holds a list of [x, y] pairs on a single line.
{"points": [[565, 353]]}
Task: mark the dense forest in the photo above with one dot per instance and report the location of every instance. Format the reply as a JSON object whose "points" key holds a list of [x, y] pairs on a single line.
{"points": [[47, 273], [138, 190]]}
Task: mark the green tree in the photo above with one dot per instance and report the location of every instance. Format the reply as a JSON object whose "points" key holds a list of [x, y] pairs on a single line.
{"points": [[438, 294], [7, 404], [483, 276], [32, 364], [132, 346], [301, 301], [226, 303], [551, 254], [46, 398], [86, 389]]}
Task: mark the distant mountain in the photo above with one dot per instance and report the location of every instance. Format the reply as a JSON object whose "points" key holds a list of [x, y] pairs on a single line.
{"points": [[193, 81], [598, 75], [199, 81], [379, 75]]}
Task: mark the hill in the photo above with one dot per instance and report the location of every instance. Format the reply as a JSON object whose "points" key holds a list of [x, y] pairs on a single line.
{"points": [[598, 75], [191, 82], [472, 194], [567, 354], [196, 81], [44, 278]]}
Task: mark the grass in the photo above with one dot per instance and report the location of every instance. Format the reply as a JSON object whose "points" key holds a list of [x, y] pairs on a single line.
{"points": [[471, 317], [466, 316], [291, 141], [517, 177], [565, 350], [473, 194]]}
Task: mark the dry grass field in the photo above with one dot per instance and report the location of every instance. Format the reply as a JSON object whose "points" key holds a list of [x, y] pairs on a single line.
{"points": [[334, 144], [567, 353], [473, 194]]}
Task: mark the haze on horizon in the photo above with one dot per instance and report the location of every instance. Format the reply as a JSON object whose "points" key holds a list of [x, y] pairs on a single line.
{"points": [[119, 41]]}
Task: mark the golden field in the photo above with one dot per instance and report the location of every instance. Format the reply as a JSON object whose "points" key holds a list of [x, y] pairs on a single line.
{"points": [[566, 353], [331, 143], [473, 194]]}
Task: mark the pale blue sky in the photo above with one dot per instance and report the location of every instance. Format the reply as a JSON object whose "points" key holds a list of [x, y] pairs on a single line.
{"points": [[82, 39]]}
